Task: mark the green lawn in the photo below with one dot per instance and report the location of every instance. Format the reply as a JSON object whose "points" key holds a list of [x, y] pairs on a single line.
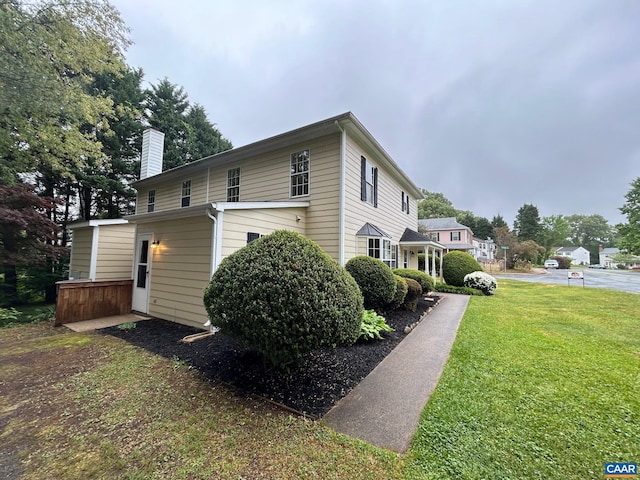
{"points": [[543, 382]]}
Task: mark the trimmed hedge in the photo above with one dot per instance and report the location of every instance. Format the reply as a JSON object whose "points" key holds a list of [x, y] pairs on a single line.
{"points": [[375, 279], [443, 288], [414, 290], [282, 296], [424, 279], [401, 292], [455, 265]]}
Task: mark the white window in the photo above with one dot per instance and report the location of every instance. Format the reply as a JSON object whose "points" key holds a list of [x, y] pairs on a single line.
{"points": [[368, 182], [300, 173], [233, 185], [455, 236], [405, 203], [151, 201], [382, 249], [186, 193]]}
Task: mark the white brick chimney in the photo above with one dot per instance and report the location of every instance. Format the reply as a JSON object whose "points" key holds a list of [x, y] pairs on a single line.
{"points": [[152, 148]]}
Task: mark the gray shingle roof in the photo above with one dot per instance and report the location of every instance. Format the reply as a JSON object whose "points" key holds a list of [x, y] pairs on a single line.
{"points": [[447, 223], [370, 230], [413, 236]]}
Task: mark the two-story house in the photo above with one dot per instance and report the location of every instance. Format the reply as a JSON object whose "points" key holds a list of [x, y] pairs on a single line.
{"points": [[484, 250], [330, 181], [578, 255], [448, 232]]}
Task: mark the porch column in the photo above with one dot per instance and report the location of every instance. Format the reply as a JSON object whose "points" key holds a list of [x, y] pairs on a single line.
{"points": [[433, 265]]}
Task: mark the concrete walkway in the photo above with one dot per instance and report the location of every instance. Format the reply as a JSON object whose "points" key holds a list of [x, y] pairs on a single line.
{"points": [[384, 409]]}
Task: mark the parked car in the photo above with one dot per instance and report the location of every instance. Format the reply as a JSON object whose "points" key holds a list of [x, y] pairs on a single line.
{"points": [[551, 264], [597, 265]]}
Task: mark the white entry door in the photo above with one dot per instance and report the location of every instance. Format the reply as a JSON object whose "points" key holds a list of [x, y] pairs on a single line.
{"points": [[140, 300]]}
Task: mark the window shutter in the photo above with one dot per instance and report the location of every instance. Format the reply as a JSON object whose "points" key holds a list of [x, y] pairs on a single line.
{"points": [[408, 203], [403, 201], [375, 187], [451, 236], [363, 179]]}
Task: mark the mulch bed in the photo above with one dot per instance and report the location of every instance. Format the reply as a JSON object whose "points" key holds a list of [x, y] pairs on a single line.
{"points": [[311, 387]]}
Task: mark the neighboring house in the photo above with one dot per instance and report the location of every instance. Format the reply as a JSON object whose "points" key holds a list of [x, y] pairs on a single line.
{"points": [[330, 181], [578, 255], [484, 251], [448, 232], [606, 256]]}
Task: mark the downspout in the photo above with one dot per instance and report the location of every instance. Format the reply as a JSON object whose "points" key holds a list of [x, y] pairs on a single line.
{"points": [[214, 265], [343, 175], [214, 231], [216, 246]]}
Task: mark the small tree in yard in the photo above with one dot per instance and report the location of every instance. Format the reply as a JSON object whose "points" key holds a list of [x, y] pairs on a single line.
{"points": [[282, 296]]}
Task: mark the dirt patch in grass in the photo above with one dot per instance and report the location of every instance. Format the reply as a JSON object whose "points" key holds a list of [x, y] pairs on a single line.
{"points": [[30, 372], [311, 387]]}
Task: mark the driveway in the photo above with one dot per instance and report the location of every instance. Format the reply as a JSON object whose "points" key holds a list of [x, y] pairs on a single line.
{"points": [[624, 280]]}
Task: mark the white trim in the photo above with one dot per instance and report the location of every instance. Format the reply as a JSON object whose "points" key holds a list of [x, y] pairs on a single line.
{"points": [[342, 200], [222, 206], [96, 223], [93, 263]]}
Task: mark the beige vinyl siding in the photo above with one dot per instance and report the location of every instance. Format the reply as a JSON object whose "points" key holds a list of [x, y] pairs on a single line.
{"points": [[115, 251], [169, 194], [80, 264], [388, 216], [180, 269], [267, 178], [237, 223]]}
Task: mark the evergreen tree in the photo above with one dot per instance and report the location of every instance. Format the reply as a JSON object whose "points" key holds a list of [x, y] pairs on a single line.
{"points": [[497, 221], [203, 138], [527, 223], [167, 106]]}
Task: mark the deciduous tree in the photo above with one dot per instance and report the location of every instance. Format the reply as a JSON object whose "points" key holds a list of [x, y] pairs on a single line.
{"points": [[630, 231], [27, 237]]}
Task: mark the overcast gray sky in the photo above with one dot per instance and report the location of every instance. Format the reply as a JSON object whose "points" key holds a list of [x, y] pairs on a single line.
{"points": [[495, 104]]}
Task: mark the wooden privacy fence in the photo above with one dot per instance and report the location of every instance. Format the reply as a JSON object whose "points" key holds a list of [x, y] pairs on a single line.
{"points": [[85, 300]]}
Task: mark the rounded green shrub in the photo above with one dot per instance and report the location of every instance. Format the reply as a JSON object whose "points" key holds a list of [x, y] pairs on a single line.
{"points": [[401, 292], [424, 279], [375, 279], [455, 265], [282, 296], [414, 290]]}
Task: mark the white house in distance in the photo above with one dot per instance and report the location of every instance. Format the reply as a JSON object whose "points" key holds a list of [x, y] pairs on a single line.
{"points": [[606, 256], [484, 251], [330, 181], [578, 255]]}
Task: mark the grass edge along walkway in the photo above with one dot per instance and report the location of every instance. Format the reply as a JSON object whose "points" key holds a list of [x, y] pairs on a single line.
{"points": [[543, 382]]}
